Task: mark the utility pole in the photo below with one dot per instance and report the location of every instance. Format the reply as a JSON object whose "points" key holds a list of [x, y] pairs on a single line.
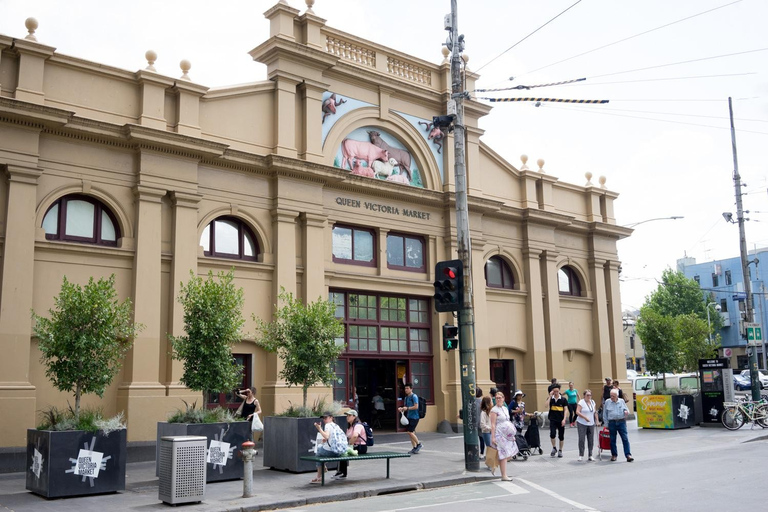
{"points": [[751, 349], [464, 248]]}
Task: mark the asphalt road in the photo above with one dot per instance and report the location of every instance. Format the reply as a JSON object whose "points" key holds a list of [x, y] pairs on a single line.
{"points": [[676, 472]]}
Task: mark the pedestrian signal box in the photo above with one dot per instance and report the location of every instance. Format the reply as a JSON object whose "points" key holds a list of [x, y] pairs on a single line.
{"points": [[450, 337], [449, 285]]}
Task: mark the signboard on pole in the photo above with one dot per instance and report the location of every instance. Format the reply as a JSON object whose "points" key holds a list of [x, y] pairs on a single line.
{"points": [[754, 333]]}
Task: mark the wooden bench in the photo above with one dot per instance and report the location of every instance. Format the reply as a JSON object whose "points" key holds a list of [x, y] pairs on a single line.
{"points": [[367, 456]]}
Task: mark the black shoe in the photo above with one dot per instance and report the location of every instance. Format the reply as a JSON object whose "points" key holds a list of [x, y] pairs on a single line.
{"points": [[418, 447]]}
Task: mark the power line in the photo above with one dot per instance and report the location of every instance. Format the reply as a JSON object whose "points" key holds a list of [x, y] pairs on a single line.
{"points": [[658, 79], [683, 115], [631, 37], [529, 35], [660, 120], [680, 62], [526, 87]]}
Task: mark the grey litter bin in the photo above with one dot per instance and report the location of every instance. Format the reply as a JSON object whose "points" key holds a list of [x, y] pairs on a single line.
{"points": [[182, 469]]}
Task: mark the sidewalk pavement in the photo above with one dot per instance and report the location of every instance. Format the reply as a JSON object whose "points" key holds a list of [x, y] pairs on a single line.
{"points": [[440, 463]]}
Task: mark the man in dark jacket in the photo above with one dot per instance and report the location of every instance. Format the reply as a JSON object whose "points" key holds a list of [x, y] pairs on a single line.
{"points": [[558, 404]]}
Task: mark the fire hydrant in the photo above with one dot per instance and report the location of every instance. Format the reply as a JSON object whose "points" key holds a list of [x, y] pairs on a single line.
{"points": [[248, 452]]}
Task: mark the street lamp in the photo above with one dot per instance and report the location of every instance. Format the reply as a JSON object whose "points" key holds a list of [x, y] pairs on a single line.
{"points": [[674, 217], [717, 308]]}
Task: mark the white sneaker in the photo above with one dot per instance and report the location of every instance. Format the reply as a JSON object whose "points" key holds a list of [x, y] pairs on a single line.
{"points": [[591, 459], [581, 458]]}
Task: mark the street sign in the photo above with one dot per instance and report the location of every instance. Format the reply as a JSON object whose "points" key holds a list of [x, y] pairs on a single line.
{"points": [[754, 333]]}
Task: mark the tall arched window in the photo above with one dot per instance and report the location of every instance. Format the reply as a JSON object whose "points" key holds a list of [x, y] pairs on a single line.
{"points": [[568, 282], [229, 237], [498, 274], [83, 219]]}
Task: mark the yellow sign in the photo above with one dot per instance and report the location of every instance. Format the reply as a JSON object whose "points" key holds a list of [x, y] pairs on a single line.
{"points": [[655, 411]]}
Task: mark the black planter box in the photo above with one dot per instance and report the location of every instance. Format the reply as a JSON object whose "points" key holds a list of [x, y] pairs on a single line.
{"points": [[286, 439], [233, 434], [75, 462]]}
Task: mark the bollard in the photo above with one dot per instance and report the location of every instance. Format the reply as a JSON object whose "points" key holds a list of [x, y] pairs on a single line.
{"points": [[248, 452]]}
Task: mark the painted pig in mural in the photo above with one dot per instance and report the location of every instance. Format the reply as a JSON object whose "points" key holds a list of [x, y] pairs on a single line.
{"points": [[352, 150]]}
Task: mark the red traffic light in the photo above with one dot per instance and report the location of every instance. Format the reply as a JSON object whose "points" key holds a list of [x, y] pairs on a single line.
{"points": [[450, 272]]}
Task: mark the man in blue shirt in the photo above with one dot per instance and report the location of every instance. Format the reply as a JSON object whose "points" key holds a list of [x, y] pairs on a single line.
{"points": [[615, 412], [411, 411]]}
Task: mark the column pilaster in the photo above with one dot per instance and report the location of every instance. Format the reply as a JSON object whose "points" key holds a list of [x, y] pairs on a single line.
{"points": [[535, 376], [285, 116], [552, 326], [313, 283]]}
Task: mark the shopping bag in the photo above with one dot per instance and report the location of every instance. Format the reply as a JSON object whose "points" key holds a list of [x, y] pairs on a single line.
{"points": [[403, 420], [256, 424], [491, 458]]}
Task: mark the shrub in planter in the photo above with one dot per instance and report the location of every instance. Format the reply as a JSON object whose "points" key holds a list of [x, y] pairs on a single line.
{"points": [[212, 322], [82, 346]]}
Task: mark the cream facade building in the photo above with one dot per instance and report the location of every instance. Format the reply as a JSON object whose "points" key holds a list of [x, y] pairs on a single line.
{"points": [[289, 181]]}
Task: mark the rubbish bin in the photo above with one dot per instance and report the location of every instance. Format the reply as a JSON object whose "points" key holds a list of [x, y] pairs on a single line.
{"points": [[182, 469]]}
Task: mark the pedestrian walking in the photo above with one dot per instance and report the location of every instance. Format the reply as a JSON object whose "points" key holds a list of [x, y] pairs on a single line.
{"points": [[615, 413], [606, 395], [615, 385], [572, 394], [552, 385], [411, 411], [356, 438], [586, 420], [485, 421], [334, 442], [502, 434], [557, 407], [249, 410], [478, 411], [517, 411]]}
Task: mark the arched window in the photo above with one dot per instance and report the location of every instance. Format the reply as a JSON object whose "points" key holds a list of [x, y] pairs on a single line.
{"points": [[568, 282], [498, 274], [83, 219], [228, 237]]}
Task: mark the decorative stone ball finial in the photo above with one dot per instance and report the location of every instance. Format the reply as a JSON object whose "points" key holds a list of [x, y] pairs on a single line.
{"points": [[310, 3], [602, 181], [185, 66], [31, 24], [524, 159], [446, 52], [151, 57], [588, 175], [540, 163], [465, 58]]}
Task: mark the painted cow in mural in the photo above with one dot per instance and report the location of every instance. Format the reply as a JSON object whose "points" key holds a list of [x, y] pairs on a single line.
{"points": [[352, 150], [360, 170], [435, 134], [402, 156], [330, 104]]}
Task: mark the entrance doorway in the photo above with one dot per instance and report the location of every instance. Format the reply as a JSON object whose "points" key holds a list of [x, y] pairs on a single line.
{"points": [[503, 375], [377, 377]]}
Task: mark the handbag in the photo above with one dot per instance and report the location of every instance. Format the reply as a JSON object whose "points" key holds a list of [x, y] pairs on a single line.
{"points": [[491, 458], [403, 419], [256, 424]]}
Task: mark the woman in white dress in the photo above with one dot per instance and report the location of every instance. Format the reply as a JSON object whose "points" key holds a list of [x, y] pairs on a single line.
{"points": [[503, 434]]}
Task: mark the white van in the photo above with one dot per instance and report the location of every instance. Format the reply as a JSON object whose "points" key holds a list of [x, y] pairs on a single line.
{"points": [[646, 384]]}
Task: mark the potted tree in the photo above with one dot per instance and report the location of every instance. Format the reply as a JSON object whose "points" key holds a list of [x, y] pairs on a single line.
{"points": [[78, 452], [304, 336], [212, 322]]}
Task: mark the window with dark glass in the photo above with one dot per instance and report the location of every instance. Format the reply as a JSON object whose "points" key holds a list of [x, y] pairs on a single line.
{"points": [[79, 218], [229, 237], [715, 280], [697, 279], [568, 282], [354, 245], [405, 252], [723, 305], [498, 274], [728, 278]]}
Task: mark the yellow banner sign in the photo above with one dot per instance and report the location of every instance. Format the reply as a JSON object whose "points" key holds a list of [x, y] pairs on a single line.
{"points": [[655, 411]]}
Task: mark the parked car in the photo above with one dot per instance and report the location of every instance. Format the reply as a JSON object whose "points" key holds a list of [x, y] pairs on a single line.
{"points": [[647, 384], [741, 383], [762, 374]]}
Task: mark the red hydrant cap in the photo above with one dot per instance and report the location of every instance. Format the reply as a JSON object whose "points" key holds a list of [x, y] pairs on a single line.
{"points": [[248, 444]]}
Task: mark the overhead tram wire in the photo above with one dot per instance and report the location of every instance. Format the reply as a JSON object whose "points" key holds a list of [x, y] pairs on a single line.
{"points": [[631, 37], [658, 79], [529, 35], [680, 115], [526, 87]]}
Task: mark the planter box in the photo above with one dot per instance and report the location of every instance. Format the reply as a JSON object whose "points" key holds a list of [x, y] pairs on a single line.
{"points": [[224, 461], [666, 411], [75, 462], [286, 439]]}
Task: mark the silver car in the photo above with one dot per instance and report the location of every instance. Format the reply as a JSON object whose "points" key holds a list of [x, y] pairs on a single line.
{"points": [[762, 374]]}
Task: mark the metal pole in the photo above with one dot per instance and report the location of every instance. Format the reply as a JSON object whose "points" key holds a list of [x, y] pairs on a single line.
{"points": [[751, 349], [464, 249]]}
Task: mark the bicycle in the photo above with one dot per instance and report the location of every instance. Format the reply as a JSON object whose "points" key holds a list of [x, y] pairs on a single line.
{"points": [[735, 414]]}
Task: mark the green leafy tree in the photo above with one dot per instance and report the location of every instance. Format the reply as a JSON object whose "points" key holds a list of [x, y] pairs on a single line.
{"points": [[694, 341], [304, 336], [212, 321], [658, 334], [85, 338]]}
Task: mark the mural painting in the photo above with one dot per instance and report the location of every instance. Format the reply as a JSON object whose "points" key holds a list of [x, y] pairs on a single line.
{"points": [[373, 153]]}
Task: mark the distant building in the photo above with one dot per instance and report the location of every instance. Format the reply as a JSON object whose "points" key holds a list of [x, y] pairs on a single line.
{"points": [[724, 279]]}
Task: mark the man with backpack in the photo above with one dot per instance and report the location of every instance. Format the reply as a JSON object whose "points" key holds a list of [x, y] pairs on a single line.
{"points": [[411, 411]]}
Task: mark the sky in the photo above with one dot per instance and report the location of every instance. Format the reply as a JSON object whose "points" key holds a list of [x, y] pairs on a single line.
{"points": [[667, 68]]}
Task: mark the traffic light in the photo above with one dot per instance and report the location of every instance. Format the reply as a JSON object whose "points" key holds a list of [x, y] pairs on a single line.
{"points": [[449, 285], [450, 337]]}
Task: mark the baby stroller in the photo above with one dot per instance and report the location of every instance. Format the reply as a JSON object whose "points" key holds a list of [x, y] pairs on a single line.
{"points": [[532, 435]]}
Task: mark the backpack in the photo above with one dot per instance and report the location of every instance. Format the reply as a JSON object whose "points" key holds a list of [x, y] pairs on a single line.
{"points": [[422, 408], [368, 434]]}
